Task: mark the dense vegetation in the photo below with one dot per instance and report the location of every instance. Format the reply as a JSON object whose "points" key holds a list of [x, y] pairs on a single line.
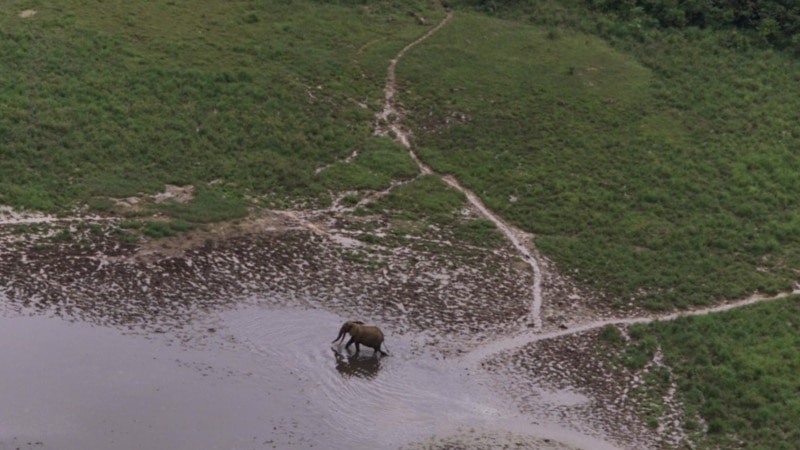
{"points": [[659, 164], [738, 372], [773, 22], [116, 98], [651, 145], [766, 22]]}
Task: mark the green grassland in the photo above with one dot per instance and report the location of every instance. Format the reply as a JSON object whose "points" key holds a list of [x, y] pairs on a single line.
{"points": [[738, 373], [662, 167], [657, 164], [655, 159], [112, 99]]}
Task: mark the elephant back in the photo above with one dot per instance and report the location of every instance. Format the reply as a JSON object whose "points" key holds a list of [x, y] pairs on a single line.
{"points": [[371, 335]]}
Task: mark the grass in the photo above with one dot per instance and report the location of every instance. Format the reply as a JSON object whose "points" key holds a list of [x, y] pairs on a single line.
{"points": [[738, 371], [207, 206], [157, 229], [425, 197], [377, 163], [662, 171], [119, 98], [658, 165]]}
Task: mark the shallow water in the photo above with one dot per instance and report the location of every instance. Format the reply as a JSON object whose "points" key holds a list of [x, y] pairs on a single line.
{"points": [[248, 378]]}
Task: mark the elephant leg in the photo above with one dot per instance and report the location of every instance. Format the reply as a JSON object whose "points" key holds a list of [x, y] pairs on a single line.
{"points": [[349, 343]]}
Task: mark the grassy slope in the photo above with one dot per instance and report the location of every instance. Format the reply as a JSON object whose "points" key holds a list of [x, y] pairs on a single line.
{"points": [[658, 166], [739, 370], [116, 98], [672, 181], [662, 172]]}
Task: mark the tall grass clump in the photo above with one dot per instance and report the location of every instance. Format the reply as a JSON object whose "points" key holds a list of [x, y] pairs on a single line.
{"points": [[425, 197], [375, 165], [208, 205]]}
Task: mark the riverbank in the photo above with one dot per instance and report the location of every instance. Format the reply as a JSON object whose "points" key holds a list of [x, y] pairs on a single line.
{"points": [[448, 298]]}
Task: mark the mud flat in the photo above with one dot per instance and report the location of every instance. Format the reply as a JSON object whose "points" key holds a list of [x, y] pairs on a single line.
{"points": [[237, 321], [87, 273], [245, 378], [541, 376]]}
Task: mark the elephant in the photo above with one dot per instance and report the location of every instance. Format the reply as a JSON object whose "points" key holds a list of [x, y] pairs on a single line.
{"points": [[370, 336]]}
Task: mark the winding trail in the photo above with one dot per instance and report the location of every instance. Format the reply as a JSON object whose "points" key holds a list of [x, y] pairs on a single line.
{"points": [[391, 116], [512, 342], [9, 216], [389, 124]]}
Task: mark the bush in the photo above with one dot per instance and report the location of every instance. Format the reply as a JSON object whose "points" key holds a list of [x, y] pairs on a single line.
{"points": [[611, 335]]}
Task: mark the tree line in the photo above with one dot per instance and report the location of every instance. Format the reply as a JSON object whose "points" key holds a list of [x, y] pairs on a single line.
{"points": [[776, 22]]}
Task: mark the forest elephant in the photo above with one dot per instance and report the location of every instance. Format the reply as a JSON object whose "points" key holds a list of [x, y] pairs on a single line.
{"points": [[370, 336]]}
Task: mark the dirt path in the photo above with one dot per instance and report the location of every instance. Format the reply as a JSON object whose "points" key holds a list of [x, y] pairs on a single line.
{"points": [[521, 240], [9, 216], [392, 116], [521, 339], [389, 119]]}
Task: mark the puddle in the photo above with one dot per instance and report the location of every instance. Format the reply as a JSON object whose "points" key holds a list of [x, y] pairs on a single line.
{"points": [[249, 378]]}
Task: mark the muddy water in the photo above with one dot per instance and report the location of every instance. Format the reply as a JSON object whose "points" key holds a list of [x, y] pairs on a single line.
{"points": [[249, 378]]}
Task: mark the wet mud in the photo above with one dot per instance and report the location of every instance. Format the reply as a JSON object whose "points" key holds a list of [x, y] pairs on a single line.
{"points": [[605, 392], [244, 378], [227, 343], [220, 338], [93, 277]]}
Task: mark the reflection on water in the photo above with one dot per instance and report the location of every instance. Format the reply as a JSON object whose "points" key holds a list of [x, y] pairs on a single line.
{"points": [[352, 365], [370, 401], [263, 379]]}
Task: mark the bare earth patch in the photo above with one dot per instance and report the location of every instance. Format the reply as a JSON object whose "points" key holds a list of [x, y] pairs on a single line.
{"points": [[607, 396], [453, 296], [179, 194]]}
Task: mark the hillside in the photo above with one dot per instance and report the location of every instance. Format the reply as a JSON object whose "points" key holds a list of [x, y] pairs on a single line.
{"points": [[651, 152]]}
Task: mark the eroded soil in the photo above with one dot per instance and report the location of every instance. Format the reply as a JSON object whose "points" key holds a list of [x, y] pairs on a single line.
{"points": [[466, 319], [86, 272], [449, 298]]}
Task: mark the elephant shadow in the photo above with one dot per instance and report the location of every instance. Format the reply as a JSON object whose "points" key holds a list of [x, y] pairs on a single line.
{"points": [[357, 365]]}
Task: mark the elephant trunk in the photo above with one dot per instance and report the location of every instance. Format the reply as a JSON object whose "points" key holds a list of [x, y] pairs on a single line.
{"points": [[340, 337]]}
